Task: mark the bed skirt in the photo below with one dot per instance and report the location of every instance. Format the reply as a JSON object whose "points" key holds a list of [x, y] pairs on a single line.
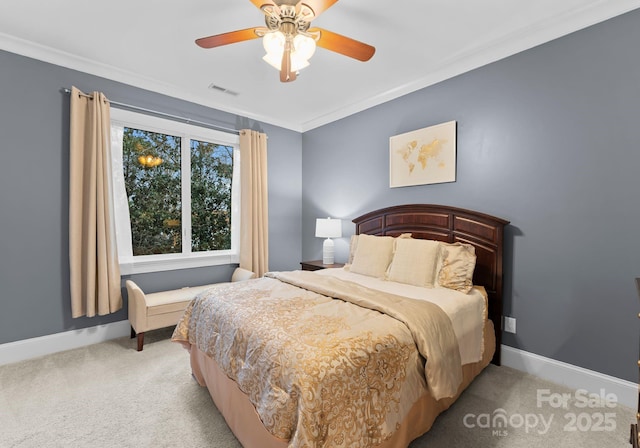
{"points": [[245, 423]]}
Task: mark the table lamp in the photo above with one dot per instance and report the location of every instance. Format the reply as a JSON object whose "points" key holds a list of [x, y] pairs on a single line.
{"points": [[328, 228]]}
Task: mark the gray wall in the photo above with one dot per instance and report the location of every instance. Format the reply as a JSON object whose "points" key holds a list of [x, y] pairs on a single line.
{"points": [[34, 190], [547, 139]]}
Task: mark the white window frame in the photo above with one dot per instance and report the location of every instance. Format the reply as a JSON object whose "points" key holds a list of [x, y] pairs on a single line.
{"points": [[130, 264]]}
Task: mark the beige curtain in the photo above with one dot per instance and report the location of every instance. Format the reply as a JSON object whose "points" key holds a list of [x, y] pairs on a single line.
{"points": [[93, 258], [254, 239]]}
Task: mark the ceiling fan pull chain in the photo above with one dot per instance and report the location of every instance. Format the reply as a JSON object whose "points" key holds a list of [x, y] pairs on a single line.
{"points": [[286, 75]]}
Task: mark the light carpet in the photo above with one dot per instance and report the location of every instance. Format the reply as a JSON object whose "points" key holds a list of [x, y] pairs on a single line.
{"points": [[109, 395]]}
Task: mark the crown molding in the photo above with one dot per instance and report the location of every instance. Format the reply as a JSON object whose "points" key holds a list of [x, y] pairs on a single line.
{"points": [[486, 53], [67, 60], [470, 59]]}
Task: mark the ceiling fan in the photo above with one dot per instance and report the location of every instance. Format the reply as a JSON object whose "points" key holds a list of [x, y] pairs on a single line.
{"points": [[288, 38]]}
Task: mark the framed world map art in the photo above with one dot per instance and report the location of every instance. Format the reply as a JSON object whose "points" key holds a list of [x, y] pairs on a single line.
{"points": [[425, 156]]}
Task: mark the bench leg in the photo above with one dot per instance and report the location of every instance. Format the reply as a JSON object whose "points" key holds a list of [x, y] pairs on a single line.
{"points": [[140, 340]]}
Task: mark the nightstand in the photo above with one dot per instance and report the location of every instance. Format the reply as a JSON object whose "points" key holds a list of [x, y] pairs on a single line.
{"points": [[316, 265]]}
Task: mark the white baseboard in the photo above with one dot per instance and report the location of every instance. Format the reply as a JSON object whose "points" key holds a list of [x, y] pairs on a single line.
{"points": [[45, 345], [569, 375], [546, 368]]}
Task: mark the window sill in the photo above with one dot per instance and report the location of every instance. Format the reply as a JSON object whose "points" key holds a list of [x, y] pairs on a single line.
{"points": [[158, 263]]}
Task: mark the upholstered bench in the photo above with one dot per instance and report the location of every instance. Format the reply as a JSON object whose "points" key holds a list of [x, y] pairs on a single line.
{"points": [[164, 308]]}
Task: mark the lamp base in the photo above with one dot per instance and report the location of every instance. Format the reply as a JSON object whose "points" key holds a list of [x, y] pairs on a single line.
{"points": [[327, 251]]}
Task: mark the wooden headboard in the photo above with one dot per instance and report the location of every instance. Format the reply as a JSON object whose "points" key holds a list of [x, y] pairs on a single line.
{"points": [[450, 224]]}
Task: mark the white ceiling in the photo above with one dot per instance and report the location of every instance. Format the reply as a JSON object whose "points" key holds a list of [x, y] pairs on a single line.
{"points": [[150, 44]]}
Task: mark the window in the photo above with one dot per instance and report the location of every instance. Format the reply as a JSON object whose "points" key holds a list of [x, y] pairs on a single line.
{"points": [[176, 193]]}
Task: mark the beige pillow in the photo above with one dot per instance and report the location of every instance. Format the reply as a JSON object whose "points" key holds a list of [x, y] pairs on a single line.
{"points": [[455, 266], [354, 244], [352, 248], [414, 262], [373, 255]]}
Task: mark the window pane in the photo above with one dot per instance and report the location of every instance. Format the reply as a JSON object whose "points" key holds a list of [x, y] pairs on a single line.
{"points": [[152, 178], [211, 172]]}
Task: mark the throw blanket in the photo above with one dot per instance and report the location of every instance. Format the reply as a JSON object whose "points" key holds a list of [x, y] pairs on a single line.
{"points": [[320, 371]]}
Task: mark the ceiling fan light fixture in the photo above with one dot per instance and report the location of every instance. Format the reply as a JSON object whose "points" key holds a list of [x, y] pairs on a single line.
{"points": [[298, 64], [275, 61], [273, 42], [303, 48]]}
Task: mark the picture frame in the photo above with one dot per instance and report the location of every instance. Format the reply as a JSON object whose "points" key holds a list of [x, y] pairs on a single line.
{"points": [[424, 156]]}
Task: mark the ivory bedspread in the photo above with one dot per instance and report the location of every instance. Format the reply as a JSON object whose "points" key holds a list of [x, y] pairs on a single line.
{"points": [[322, 371]]}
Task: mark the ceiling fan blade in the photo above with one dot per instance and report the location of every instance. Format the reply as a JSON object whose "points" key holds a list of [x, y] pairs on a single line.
{"points": [[229, 38], [319, 6], [316, 6], [260, 3], [286, 75], [343, 45]]}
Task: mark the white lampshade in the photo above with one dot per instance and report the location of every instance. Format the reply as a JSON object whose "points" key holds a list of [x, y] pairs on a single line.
{"points": [[273, 43], [275, 61], [304, 46], [328, 228]]}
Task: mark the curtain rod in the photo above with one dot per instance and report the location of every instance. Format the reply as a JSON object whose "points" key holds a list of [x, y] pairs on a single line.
{"points": [[163, 114]]}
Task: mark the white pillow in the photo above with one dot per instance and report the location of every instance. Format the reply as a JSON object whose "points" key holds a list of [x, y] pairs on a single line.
{"points": [[414, 262], [373, 255]]}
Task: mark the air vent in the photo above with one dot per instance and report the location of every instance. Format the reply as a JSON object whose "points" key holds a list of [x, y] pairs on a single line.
{"points": [[222, 89]]}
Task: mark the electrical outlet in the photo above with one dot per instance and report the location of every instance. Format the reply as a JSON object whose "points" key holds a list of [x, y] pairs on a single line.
{"points": [[510, 324]]}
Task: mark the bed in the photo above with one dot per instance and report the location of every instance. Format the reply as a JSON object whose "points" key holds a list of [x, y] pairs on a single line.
{"points": [[355, 356]]}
